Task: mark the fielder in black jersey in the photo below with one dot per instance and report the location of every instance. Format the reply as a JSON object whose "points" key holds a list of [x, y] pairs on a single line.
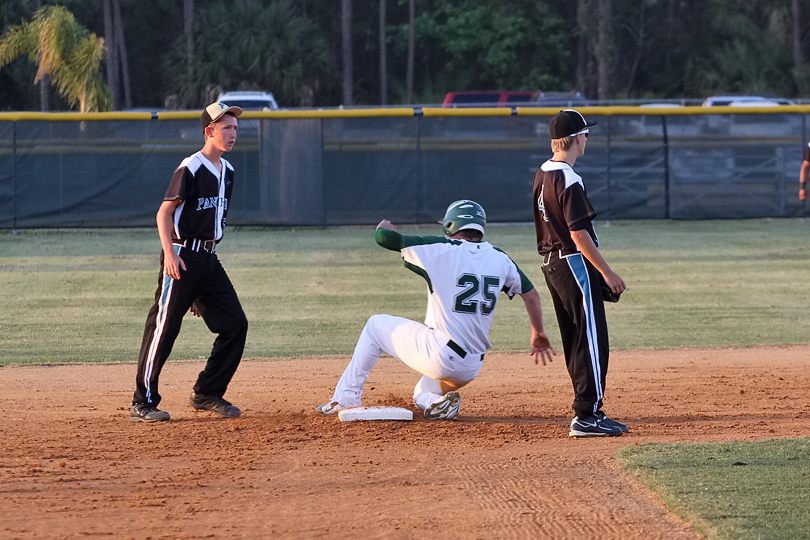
{"points": [[190, 223], [575, 271]]}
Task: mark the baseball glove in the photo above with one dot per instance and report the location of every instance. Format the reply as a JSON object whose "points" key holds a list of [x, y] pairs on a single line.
{"points": [[607, 294]]}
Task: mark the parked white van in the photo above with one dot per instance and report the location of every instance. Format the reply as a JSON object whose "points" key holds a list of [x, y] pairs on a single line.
{"points": [[249, 100]]}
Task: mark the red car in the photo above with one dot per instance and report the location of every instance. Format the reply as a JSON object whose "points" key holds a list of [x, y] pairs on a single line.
{"points": [[487, 99]]}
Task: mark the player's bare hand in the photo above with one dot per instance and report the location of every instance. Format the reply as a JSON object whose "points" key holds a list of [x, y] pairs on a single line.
{"points": [[802, 194], [615, 283], [172, 264], [541, 348], [385, 224]]}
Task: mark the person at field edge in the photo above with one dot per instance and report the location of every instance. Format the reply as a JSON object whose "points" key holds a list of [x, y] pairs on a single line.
{"points": [[465, 276], [190, 222], [803, 173], [575, 272]]}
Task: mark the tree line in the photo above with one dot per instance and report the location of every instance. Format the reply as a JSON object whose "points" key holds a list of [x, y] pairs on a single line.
{"points": [[324, 53]]}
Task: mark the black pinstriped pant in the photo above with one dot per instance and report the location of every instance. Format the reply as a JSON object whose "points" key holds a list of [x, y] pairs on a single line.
{"points": [[204, 278], [574, 284]]}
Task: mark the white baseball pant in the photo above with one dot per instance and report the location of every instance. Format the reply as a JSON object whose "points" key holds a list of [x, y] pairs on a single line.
{"points": [[420, 347]]}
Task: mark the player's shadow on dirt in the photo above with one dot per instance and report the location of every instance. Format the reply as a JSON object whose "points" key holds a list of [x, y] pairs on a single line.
{"points": [[521, 420], [203, 420]]}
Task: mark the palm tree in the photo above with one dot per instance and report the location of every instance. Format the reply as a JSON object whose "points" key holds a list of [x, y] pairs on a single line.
{"points": [[595, 26], [188, 33], [411, 51], [121, 44], [112, 53], [63, 50], [117, 64], [44, 84], [795, 12], [348, 64], [383, 59], [604, 49]]}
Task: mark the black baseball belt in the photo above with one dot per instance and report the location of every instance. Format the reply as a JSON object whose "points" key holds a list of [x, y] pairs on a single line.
{"points": [[551, 256], [455, 347], [195, 244]]}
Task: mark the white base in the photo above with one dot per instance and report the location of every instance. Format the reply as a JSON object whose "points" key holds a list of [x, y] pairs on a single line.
{"points": [[375, 413]]}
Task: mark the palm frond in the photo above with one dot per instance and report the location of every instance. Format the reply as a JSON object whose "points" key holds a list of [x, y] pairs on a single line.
{"points": [[64, 50], [59, 34], [18, 40]]}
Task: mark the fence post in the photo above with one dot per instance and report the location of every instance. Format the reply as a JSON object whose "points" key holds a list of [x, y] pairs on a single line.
{"points": [[804, 141], [14, 175], [666, 166], [324, 213], [607, 171], [421, 192]]}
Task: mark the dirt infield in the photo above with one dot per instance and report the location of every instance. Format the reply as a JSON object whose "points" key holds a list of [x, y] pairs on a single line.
{"points": [[73, 466]]}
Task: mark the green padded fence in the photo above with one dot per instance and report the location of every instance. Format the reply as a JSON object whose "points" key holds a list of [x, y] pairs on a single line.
{"points": [[357, 166]]}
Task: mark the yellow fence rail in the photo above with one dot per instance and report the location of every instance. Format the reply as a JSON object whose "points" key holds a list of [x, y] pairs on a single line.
{"points": [[404, 112]]}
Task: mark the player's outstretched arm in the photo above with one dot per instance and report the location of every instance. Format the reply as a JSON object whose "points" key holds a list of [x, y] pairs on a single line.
{"points": [[387, 236], [540, 344]]}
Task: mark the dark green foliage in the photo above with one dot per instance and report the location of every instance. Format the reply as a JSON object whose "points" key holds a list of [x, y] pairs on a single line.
{"points": [[646, 48], [253, 45], [484, 45]]}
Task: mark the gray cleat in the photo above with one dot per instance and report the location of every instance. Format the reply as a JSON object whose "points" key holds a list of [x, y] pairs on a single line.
{"points": [[445, 408], [147, 413], [215, 404]]}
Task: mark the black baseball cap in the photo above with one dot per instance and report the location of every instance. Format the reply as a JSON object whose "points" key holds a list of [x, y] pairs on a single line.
{"points": [[214, 112], [568, 123]]}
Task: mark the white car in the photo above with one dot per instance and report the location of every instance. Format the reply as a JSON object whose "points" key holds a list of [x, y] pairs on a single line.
{"points": [[733, 100], [249, 101]]}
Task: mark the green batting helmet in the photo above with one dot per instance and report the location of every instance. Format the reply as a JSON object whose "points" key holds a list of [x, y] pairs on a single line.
{"points": [[464, 214]]}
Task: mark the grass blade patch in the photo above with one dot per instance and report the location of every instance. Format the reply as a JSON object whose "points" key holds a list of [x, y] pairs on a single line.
{"points": [[758, 489]]}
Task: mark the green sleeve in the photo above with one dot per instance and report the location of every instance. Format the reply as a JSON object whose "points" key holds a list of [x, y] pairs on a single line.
{"points": [[395, 242], [525, 283], [388, 239]]}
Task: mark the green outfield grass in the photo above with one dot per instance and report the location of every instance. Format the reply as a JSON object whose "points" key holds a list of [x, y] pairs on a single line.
{"points": [[74, 296], [82, 295], [758, 489]]}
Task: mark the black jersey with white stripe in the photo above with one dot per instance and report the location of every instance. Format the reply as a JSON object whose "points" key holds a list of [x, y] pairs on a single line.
{"points": [[806, 156], [205, 193], [560, 206]]}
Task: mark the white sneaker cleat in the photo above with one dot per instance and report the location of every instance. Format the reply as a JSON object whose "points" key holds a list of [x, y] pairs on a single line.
{"points": [[329, 409], [446, 407]]}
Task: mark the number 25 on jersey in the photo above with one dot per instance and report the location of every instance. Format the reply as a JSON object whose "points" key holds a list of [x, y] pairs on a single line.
{"points": [[489, 287]]}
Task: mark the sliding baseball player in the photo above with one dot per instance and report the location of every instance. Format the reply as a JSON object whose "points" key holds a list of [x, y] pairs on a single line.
{"points": [[465, 276]]}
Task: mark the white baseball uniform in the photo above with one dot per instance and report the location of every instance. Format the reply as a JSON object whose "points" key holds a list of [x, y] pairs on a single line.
{"points": [[464, 281]]}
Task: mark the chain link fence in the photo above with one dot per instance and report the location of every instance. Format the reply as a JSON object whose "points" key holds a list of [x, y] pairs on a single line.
{"points": [[357, 167]]}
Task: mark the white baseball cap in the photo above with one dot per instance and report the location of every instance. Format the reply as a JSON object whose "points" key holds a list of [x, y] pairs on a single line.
{"points": [[214, 112]]}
